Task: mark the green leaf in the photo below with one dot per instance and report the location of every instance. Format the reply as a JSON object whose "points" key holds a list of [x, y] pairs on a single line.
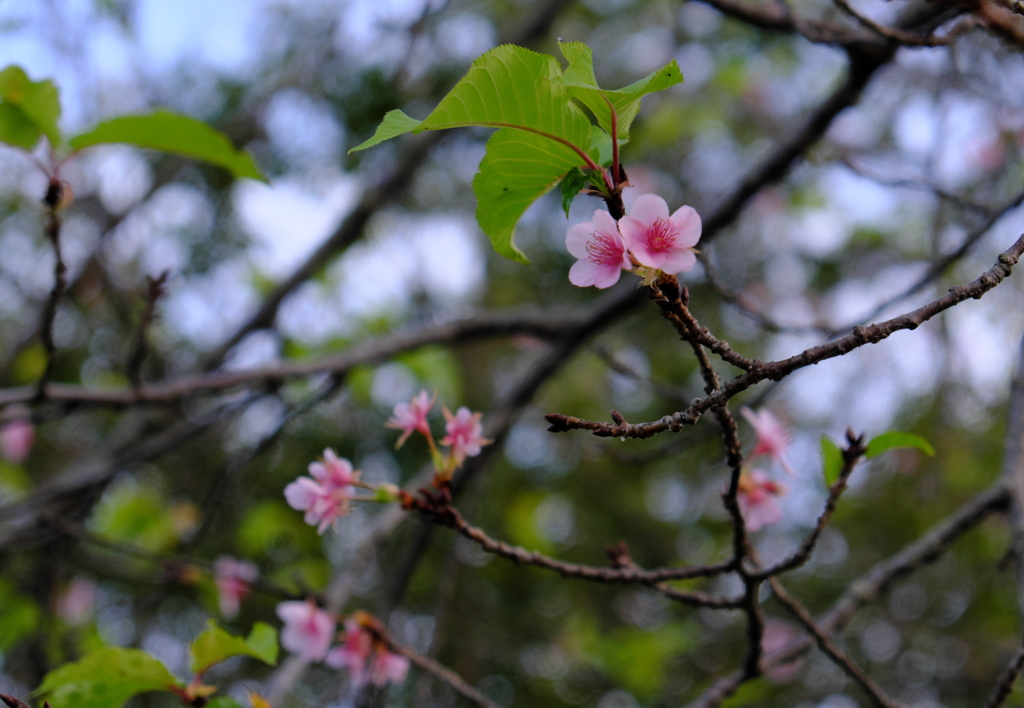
{"points": [[894, 439], [223, 702], [580, 80], [173, 133], [572, 184], [543, 134], [215, 645], [833, 460], [105, 678], [28, 109], [518, 168]]}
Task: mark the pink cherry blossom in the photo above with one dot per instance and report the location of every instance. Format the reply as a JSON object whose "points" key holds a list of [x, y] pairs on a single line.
{"points": [[327, 499], [367, 658], [600, 250], [232, 577], [16, 440], [772, 437], [308, 630], [757, 502], [464, 434], [412, 416], [75, 605], [658, 240]]}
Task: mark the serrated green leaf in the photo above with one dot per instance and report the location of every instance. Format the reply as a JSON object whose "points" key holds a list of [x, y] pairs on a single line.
{"points": [[215, 645], [894, 439], [572, 184], [832, 457], [579, 78], [105, 678], [173, 133], [37, 102], [518, 168]]}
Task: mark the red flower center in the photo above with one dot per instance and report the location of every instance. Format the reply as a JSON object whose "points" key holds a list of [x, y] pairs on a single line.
{"points": [[604, 250]]}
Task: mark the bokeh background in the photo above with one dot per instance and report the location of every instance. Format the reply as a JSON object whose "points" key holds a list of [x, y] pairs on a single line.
{"points": [[371, 246]]}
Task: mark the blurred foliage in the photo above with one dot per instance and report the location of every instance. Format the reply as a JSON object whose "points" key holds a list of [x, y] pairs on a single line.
{"points": [[806, 257]]}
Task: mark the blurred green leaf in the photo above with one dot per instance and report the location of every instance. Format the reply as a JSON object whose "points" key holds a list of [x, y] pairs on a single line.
{"points": [[28, 109], [895, 439], [173, 133], [19, 615], [832, 457], [215, 645], [106, 678]]}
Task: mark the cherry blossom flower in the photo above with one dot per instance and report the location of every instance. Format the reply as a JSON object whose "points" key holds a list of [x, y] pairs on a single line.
{"points": [[16, 440], [660, 241], [367, 658], [75, 605], [412, 416], [308, 630], [600, 250], [464, 434], [326, 499], [232, 577], [772, 437], [757, 500]]}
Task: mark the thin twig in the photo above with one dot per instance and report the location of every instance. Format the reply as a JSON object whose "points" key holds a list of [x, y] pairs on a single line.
{"points": [[154, 291], [52, 200], [1006, 680], [829, 647], [442, 673], [776, 370]]}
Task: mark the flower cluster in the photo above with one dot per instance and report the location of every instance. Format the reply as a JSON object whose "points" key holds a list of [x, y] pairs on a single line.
{"points": [[327, 495], [464, 431], [648, 241], [308, 631], [757, 493]]}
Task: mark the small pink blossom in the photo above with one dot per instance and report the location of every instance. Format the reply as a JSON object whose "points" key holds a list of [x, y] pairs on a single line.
{"points": [[464, 434], [757, 500], [658, 240], [772, 437], [16, 440], [600, 250], [233, 578], [412, 416], [75, 605], [308, 630], [327, 499], [367, 658]]}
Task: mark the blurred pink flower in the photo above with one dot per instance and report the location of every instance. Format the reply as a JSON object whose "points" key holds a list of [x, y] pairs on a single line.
{"points": [[75, 605], [16, 440], [757, 500], [308, 630], [658, 240], [600, 250], [327, 499], [464, 434], [232, 577], [367, 658], [777, 637], [772, 437], [412, 416]]}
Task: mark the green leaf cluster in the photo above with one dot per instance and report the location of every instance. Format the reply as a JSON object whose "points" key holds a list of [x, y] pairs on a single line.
{"points": [[544, 132]]}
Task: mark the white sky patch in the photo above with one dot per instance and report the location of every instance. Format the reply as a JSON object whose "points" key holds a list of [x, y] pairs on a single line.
{"points": [[288, 219], [967, 127], [205, 309], [916, 128], [169, 33], [863, 201]]}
